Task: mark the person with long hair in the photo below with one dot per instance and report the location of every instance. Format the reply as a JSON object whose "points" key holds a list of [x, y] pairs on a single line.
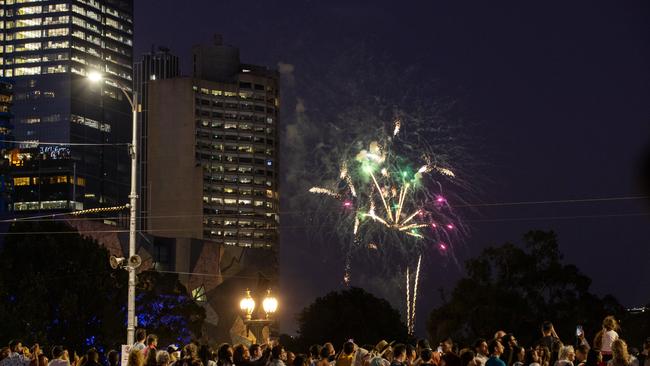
{"points": [[620, 355], [136, 358], [518, 356], [544, 355], [565, 356], [224, 355], [532, 358], [609, 335], [150, 357], [207, 355]]}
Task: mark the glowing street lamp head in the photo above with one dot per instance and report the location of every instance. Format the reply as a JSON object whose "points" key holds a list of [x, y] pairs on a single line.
{"points": [[270, 304], [247, 305], [95, 76]]}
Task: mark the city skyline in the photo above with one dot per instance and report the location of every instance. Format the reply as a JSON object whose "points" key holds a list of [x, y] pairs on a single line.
{"points": [[542, 86], [546, 104]]}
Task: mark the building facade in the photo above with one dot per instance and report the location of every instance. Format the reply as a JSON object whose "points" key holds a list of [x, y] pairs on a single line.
{"points": [[156, 65], [213, 151], [48, 48], [6, 128]]}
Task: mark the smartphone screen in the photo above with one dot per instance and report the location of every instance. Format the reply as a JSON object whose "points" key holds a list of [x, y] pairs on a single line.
{"points": [[579, 331], [439, 350]]}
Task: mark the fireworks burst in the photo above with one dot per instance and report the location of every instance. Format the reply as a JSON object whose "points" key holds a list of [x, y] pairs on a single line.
{"points": [[393, 199]]}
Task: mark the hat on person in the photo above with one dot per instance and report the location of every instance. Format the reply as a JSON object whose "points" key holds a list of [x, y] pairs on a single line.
{"points": [[382, 347], [172, 348]]}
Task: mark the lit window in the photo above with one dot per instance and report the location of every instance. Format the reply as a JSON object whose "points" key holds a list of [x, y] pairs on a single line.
{"points": [[56, 69], [55, 56], [28, 47], [28, 22], [27, 59], [29, 10], [28, 34], [57, 32], [30, 121], [198, 294], [57, 44], [63, 19], [22, 71], [21, 181], [57, 8]]}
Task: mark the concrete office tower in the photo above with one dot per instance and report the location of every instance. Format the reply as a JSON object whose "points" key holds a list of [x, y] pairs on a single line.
{"points": [[48, 47], [156, 65], [213, 152]]}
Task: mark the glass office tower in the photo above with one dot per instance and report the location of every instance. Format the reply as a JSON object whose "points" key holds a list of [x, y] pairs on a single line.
{"points": [[48, 48]]}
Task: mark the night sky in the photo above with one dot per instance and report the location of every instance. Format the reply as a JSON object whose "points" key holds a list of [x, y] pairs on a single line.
{"points": [[557, 93]]}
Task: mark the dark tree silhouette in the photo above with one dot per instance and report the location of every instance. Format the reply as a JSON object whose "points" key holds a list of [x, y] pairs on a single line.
{"points": [[57, 287], [353, 313], [516, 289]]}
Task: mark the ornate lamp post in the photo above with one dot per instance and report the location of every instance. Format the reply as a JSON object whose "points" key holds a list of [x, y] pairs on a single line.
{"points": [[256, 326]]}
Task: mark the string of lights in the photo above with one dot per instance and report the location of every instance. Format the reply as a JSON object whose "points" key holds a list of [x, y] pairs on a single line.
{"points": [[49, 217], [621, 215], [29, 142]]}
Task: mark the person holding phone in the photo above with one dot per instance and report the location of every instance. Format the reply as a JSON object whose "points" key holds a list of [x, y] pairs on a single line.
{"points": [[580, 338]]}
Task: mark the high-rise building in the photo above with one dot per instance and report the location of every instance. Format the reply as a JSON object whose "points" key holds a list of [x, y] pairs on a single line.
{"points": [[156, 65], [213, 151], [48, 47], [6, 96]]}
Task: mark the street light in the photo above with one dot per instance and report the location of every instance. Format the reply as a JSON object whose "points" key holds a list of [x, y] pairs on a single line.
{"points": [[270, 304], [247, 305], [95, 76]]}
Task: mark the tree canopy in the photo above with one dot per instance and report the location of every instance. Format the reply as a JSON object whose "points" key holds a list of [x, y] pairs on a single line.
{"points": [[57, 287], [351, 313], [516, 289]]}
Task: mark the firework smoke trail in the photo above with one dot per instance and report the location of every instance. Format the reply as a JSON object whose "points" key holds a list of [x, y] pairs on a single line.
{"points": [[412, 299], [415, 293], [408, 302]]}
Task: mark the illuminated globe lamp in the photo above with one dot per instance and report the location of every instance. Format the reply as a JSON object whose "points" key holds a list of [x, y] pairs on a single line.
{"points": [[270, 304], [247, 305], [95, 76]]}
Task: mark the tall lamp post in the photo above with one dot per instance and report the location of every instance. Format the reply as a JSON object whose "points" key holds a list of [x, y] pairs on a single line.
{"points": [[256, 326], [133, 197]]}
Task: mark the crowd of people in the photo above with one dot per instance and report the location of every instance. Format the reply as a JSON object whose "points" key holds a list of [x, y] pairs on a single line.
{"points": [[503, 349]]}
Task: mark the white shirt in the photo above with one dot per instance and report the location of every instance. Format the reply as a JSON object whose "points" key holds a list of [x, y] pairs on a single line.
{"points": [[59, 362], [15, 359], [480, 359], [608, 338]]}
